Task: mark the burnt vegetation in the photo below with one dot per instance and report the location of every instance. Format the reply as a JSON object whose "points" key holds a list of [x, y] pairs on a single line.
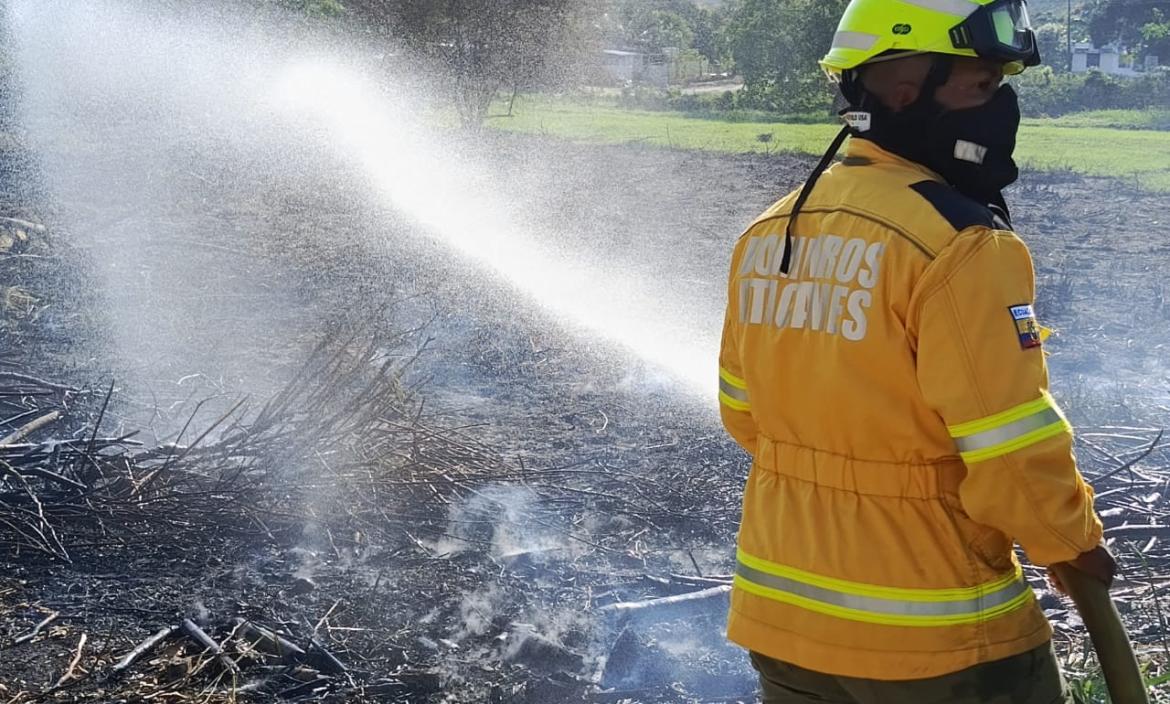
{"points": [[351, 537], [341, 542]]}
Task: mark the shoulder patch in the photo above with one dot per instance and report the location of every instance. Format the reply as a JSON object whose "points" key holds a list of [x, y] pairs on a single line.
{"points": [[959, 210], [1027, 328]]}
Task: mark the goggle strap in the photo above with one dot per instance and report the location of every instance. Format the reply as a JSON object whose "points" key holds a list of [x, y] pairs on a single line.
{"points": [[961, 37]]}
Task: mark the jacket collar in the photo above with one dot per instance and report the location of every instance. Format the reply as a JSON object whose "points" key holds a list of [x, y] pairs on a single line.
{"points": [[859, 152]]}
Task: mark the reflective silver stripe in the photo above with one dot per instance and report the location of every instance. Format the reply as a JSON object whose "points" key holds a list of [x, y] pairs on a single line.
{"points": [[1009, 432], [891, 607], [733, 391], [970, 151], [958, 8], [854, 40]]}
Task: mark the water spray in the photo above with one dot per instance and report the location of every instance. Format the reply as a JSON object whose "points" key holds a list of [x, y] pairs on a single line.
{"points": [[453, 200]]}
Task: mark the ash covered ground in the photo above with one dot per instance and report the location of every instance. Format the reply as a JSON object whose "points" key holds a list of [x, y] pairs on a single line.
{"points": [[565, 476], [435, 489]]}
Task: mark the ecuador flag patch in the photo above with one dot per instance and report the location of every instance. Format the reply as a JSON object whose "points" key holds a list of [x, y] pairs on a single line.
{"points": [[1027, 328]]}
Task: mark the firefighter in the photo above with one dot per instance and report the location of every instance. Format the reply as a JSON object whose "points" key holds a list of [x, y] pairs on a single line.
{"points": [[882, 364]]}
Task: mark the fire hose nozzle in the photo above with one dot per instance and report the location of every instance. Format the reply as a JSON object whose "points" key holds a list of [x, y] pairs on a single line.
{"points": [[1115, 653]]}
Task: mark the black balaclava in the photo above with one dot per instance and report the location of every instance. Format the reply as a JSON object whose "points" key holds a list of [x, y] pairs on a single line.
{"points": [[971, 148]]}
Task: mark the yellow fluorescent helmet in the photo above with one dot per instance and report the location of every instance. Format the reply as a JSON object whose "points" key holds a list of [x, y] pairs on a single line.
{"points": [[993, 29]]}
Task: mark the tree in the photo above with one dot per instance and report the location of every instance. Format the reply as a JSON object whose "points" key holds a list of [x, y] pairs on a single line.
{"points": [[651, 30], [1136, 24], [649, 25], [1156, 36], [708, 27], [653, 25], [776, 45], [481, 46], [316, 8], [1052, 39]]}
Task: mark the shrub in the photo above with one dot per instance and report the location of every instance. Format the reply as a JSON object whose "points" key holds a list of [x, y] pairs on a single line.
{"points": [[643, 97], [1044, 93]]}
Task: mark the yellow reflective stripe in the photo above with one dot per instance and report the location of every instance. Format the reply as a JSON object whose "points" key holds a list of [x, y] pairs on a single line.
{"points": [[734, 404], [1014, 429], [875, 591], [1009, 416], [733, 391], [1018, 443], [851, 614], [894, 606], [1008, 433], [732, 379]]}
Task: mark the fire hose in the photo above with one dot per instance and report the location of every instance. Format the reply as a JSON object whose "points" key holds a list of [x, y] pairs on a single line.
{"points": [[1115, 653]]}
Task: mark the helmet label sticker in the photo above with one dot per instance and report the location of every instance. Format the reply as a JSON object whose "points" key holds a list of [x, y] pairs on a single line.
{"points": [[859, 120], [901, 28]]}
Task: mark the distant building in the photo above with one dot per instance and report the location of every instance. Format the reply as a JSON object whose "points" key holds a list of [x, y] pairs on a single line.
{"points": [[659, 70], [1106, 59], [1086, 57], [624, 66]]}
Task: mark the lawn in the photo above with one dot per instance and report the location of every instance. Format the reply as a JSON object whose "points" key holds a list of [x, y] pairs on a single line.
{"points": [[1121, 119], [1090, 143]]}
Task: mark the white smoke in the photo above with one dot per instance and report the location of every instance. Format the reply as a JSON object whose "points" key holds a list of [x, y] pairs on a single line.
{"points": [[510, 522], [477, 611]]}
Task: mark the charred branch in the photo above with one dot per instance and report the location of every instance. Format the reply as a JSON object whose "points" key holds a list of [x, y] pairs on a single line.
{"points": [[143, 648], [36, 631], [209, 645]]}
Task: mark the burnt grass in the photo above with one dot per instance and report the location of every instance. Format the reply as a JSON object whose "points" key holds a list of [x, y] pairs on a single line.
{"points": [[463, 533]]}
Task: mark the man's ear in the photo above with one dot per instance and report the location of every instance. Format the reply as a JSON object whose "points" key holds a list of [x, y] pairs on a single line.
{"points": [[898, 82]]}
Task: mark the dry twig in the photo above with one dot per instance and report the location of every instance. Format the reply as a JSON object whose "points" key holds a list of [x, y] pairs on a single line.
{"points": [[68, 674]]}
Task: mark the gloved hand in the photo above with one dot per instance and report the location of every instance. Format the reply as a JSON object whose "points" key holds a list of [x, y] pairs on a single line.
{"points": [[1098, 563]]}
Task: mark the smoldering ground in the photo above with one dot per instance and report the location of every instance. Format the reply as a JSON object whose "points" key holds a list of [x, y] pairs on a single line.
{"points": [[560, 462]]}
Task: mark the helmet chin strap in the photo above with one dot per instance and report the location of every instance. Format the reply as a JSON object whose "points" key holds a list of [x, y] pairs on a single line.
{"points": [[806, 191]]}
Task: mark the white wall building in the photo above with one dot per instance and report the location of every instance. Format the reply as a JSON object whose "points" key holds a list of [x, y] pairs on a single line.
{"points": [[659, 70], [1107, 59], [624, 66]]}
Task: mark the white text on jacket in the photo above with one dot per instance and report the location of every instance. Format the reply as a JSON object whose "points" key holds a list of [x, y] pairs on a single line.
{"points": [[829, 287]]}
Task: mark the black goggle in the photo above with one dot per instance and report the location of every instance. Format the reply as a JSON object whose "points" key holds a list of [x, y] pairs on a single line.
{"points": [[1000, 30]]}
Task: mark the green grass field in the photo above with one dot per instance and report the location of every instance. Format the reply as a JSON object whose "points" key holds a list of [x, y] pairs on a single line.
{"points": [[1088, 143], [1121, 119]]}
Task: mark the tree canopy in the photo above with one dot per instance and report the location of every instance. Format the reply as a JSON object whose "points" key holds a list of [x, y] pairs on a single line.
{"points": [[1141, 25], [653, 25], [1156, 35], [776, 45], [480, 46]]}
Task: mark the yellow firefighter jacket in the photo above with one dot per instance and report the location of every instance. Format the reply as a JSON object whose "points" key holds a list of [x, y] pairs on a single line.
{"points": [[893, 395]]}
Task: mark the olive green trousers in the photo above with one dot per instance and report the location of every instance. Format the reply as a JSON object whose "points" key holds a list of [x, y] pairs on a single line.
{"points": [[1031, 678]]}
